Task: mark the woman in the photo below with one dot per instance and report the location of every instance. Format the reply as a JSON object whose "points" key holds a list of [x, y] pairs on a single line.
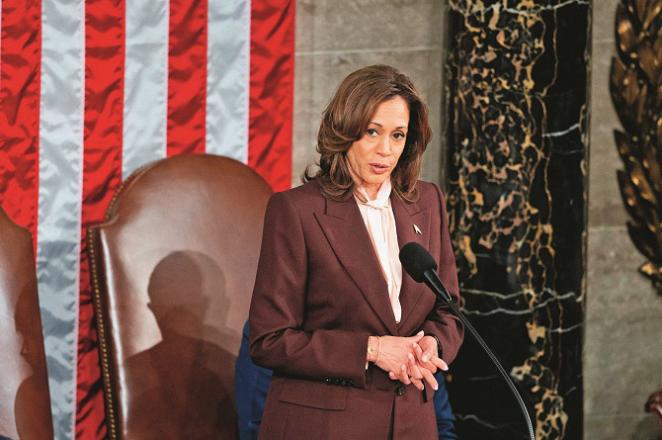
{"points": [[352, 340]]}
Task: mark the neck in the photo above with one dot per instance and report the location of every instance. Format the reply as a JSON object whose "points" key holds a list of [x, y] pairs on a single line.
{"points": [[371, 189], [368, 189]]}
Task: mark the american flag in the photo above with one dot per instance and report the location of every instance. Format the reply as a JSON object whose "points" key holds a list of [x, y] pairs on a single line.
{"points": [[90, 90]]}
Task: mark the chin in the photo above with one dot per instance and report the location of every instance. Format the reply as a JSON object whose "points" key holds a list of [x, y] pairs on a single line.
{"points": [[376, 180]]}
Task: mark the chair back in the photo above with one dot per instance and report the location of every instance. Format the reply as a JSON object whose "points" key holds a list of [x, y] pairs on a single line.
{"points": [[25, 410], [173, 268]]}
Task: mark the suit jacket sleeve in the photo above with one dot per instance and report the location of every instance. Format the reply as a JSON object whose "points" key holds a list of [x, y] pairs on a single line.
{"points": [[277, 311], [441, 322]]}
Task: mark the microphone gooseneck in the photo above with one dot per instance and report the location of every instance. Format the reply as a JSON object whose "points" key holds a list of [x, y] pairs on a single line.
{"points": [[420, 265]]}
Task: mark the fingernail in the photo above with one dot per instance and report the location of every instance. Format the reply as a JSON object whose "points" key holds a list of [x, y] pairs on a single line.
{"points": [[410, 356], [419, 333], [425, 358], [436, 387]]}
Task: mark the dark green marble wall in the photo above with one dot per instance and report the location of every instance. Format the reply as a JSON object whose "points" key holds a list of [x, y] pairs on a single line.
{"points": [[517, 97]]}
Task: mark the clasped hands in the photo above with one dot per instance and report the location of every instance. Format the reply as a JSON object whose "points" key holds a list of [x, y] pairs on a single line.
{"points": [[412, 359]]}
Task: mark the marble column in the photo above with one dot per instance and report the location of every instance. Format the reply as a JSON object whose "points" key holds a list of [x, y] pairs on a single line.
{"points": [[517, 134]]}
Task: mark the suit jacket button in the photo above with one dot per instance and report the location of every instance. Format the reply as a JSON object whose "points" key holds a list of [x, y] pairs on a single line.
{"points": [[327, 380], [400, 389]]}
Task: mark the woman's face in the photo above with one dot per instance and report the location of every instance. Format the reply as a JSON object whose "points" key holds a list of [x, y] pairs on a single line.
{"points": [[373, 157]]}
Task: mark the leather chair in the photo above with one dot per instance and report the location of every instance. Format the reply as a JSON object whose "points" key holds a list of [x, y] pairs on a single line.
{"points": [[173, 268], [25, 410], [654, 404]]}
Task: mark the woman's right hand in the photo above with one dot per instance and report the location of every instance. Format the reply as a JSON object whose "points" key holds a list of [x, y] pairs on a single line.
{"points": [[394, 353]]}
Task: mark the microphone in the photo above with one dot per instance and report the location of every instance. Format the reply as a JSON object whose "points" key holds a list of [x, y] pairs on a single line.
{"points": [[420, 265]]}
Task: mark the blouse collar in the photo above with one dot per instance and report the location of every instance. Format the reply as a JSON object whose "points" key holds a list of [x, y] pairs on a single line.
{"points": [[383, 196]]}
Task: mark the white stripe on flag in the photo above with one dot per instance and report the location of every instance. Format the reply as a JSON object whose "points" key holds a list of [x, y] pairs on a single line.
{"points": [[145, 83], [60, 194], [228, 64]]}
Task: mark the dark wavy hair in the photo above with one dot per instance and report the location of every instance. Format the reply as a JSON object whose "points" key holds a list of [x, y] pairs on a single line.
{"points": [[346, 119]]}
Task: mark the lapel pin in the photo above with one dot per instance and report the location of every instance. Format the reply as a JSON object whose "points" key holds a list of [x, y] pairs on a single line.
{"points": [[417, 229]]}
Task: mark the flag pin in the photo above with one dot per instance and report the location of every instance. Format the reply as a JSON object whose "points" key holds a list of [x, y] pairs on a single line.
{"points": [[417, 229]]}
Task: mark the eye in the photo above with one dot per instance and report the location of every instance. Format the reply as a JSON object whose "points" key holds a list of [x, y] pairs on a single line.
{"points": [[371, 132], [399, 135]]}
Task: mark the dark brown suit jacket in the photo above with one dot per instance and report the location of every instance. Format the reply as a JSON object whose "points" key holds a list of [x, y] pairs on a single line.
{"points": [[319, 294]]}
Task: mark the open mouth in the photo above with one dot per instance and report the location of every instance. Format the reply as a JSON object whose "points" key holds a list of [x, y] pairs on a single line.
{"points": [[379, 168]]}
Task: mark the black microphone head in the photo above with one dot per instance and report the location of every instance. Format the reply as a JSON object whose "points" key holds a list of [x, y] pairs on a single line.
{"points": [[416, 260]]}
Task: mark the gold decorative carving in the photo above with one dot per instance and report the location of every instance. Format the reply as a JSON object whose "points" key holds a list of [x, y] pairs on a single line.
{"points": [[636, 91]]}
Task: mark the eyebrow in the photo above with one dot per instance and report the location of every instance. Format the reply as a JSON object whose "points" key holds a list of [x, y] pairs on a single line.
{"points": [[380, 125]]}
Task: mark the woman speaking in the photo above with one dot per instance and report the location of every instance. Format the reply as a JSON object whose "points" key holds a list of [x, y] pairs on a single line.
{"points": [[352, 340]]}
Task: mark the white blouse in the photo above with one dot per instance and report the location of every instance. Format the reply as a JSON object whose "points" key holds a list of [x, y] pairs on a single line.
{"points": [[380, 222]]}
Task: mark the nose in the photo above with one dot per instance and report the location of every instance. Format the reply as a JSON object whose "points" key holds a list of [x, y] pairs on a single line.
{"points": [[384, 147]]}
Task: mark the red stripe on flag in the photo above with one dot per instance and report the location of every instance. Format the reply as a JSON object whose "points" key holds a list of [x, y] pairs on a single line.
{"points": [[20, 80], [187, 77], [102, 174], [271, 91]]}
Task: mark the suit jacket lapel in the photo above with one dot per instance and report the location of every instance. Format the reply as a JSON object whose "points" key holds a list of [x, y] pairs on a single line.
{"points": [[345, 231], [406, 216]]}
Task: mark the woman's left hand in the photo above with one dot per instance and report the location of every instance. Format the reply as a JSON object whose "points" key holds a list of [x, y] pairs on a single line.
{"points": [[427, 355], [427, 361], [423, 366]]}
